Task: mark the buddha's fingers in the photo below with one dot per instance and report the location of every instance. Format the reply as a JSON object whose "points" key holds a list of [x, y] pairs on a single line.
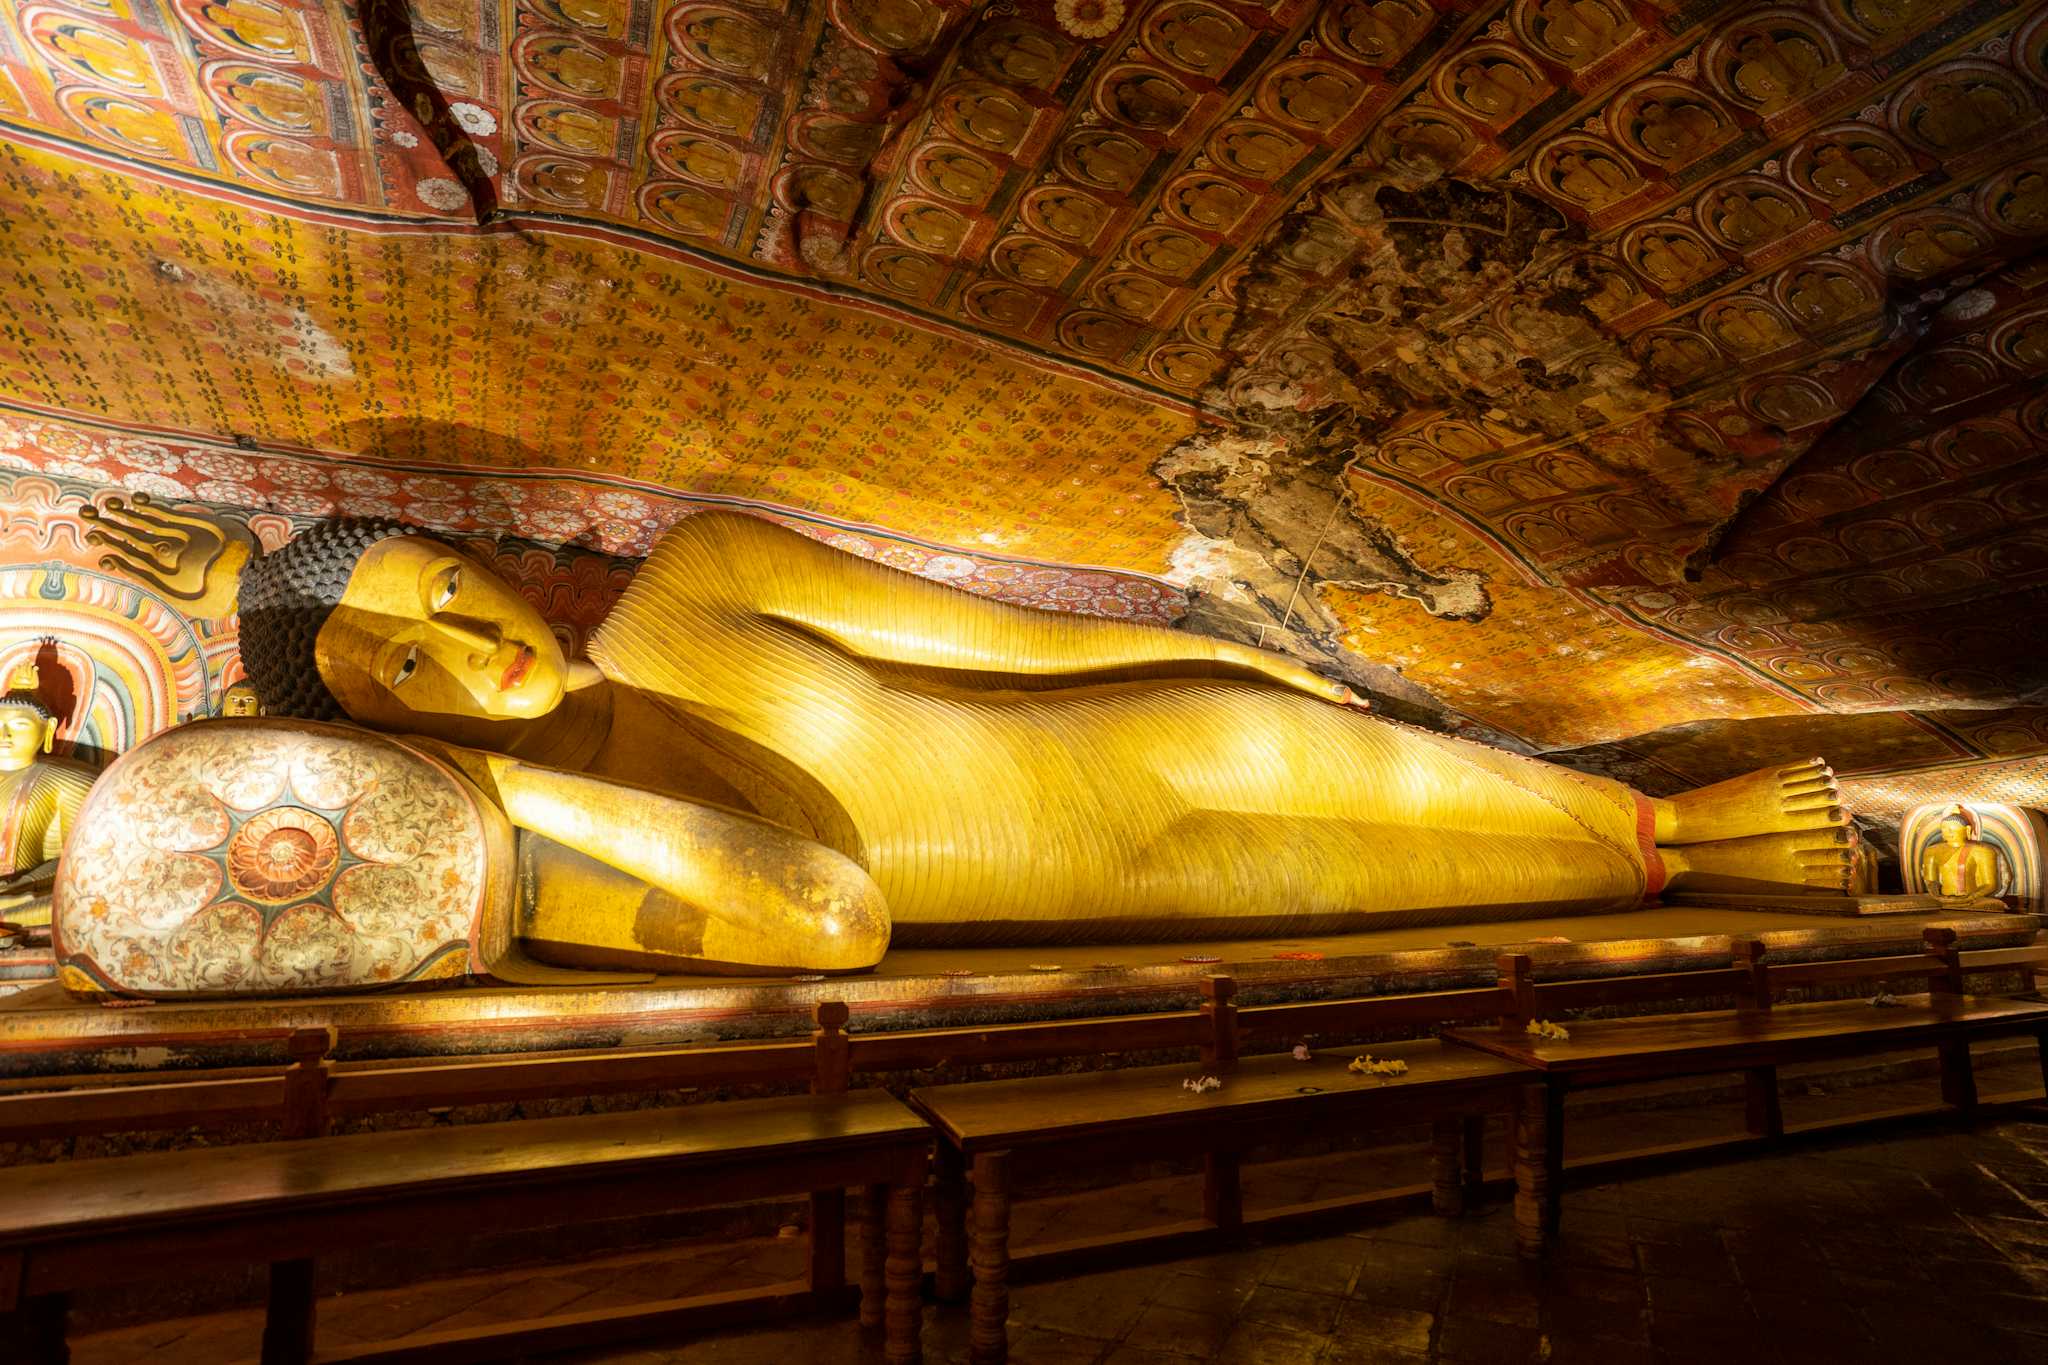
{"points": [[153, 556], [142, 517], [193, 527], [128, 567], [1806, 786]]}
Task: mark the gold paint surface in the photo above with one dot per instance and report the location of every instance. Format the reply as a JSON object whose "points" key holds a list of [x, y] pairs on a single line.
{"points": [[1000, 774]]}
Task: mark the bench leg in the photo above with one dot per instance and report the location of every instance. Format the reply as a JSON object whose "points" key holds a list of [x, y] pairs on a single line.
{"points": [[34, 1332], [1535, 1142], [874, 1199], [949, 1211], [1447, 1167], [1763, 1114], [905, 1274], [288, 1315], [1958, 1080], [1475, 1158], [828, 1241], [988, 1338], [1223, 1190], [1553, 1158]]}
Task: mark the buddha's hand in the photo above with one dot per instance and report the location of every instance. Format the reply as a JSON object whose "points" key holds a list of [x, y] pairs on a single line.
{"points": [[195, 560], [1287, 673]]}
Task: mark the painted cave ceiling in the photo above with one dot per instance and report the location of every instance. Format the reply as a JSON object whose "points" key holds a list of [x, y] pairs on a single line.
{"points": [[1656, 384]]}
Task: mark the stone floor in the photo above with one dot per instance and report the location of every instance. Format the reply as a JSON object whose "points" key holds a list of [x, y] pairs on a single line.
{"points": [[1924, 1246]]}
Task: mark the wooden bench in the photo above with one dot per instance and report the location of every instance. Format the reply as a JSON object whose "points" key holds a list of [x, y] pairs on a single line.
{"points": [[1105, 1116], [82, 1224], [1755, 1041]]}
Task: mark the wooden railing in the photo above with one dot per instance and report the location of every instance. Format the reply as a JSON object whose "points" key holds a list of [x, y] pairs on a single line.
{"points": [[315, 1090]]}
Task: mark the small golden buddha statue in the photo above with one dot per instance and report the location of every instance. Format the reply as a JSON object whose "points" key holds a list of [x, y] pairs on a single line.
{"points": [[780, 755], [1962, 864], [39, 798], [240, 699]]}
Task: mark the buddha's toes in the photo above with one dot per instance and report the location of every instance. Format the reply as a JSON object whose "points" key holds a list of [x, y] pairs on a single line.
{"points": [[1814, 860], [1794, 797]]}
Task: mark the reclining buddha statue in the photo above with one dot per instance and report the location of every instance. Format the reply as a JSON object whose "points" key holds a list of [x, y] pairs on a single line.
{"points": [[779, 756]]}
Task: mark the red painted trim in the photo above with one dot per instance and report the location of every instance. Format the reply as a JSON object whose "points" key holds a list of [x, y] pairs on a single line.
{"points": [[1655, 874]]}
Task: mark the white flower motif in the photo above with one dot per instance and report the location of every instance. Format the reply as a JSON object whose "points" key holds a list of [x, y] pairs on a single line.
{"points": [[901, 557], [614, 536], [229, 490], [156, 485], [485, 162], [1089, 18], [492, 514], [61, 441], [75, 469], [222, 466], [559, 525], [439, 514], [430, 513], [405, 139], [501, 490], [430, 489], [364, 483], [294, 474], [949, 566], [302, 504], [445, 195], [11, 460], [157, 459], [475, 120], [620, 505]]}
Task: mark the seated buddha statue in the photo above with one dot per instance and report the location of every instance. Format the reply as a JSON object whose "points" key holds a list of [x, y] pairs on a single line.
{"points": [[1961, 864], [781, 756], [39, 799]]}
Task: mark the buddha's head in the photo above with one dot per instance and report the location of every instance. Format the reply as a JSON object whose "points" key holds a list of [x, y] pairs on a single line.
{"points": [[28, 729], [1958, 827], [396, 630]]}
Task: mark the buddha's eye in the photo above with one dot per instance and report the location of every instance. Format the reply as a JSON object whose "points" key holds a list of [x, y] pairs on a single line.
{"points": [[451, 583], [407, 666]]}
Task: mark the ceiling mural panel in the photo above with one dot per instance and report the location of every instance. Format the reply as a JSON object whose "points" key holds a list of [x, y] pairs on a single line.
{"points": [[533, 351], [1655, 381]]}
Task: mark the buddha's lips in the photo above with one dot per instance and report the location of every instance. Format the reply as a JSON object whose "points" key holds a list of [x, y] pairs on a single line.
{"points": [[516, 671]]}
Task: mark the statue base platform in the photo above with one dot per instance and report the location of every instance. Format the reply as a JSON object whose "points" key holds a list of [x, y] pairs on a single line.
{"points": [[46, 1032], [1842, 906]]}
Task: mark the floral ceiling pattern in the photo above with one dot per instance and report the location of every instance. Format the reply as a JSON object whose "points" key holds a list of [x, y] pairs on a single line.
{"points": [[1652, 381]]}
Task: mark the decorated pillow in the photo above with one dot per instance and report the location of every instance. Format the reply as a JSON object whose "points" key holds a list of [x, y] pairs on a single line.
{"points": [[262, 857]]}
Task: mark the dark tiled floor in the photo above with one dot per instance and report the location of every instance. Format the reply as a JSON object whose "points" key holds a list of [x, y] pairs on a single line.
{"points": [[1923, 1250], [1925, 1247]]}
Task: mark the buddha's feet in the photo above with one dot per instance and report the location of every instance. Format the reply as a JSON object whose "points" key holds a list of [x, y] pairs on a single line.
{"points": [[1795, 798], [1799, 861]]}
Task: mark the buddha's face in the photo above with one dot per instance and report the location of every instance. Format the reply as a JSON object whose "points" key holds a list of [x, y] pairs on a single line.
{"points": [[24, 736], [1954, 832], [423, 632]]}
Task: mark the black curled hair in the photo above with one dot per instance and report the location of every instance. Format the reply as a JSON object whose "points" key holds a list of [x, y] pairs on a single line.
{"points": [[286, 596]]}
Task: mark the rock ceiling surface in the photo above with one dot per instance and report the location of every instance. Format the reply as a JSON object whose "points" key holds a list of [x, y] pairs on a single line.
{"points": [[1659, 382]]}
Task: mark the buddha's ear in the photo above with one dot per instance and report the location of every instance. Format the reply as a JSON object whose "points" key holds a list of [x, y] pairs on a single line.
{"points": [[49, 734]]}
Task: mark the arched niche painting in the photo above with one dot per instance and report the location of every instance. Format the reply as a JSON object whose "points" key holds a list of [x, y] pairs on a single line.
{"points": [[1772, 60]]}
